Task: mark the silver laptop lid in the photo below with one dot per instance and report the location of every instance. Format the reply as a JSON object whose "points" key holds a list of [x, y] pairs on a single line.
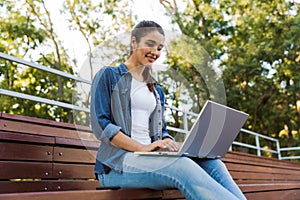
{"points": [[214, 131]]}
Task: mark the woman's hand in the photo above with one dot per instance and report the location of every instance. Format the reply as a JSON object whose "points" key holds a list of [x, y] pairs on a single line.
{"points": [[170, 144], [124, 142], [166, 144]]}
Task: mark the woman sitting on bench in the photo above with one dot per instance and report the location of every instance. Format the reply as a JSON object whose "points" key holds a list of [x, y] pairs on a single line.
{"points": [[127, 116]]}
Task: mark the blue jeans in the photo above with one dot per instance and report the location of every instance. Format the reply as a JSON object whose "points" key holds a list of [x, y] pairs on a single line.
{"points": [[195, 178]]}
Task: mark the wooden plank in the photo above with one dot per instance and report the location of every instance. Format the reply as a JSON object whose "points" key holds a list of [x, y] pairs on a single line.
{"points": [[11, 136], [64, 185], [19, 151], [172, 194], [240, 156], [24, 186], [37, 129], [263, 176], [46, 122], [16, 170], [263, 182], [274, 195], [121, 194], [64, 154], [259, 187], [262, 169], [47, 185], [80, 143], [83, 171], [263, 163]]}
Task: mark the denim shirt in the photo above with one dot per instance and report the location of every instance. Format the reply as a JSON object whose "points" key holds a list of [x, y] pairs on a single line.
{"points": [[110, 112]]}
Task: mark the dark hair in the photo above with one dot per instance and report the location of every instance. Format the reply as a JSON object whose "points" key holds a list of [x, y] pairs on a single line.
{"points": [[139, 31]]}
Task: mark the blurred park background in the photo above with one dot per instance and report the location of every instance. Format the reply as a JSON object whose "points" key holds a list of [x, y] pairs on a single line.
{"points": [[254, 45]]}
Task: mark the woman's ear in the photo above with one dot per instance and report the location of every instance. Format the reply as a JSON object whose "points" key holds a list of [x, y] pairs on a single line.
{"points": [[133, 43]]}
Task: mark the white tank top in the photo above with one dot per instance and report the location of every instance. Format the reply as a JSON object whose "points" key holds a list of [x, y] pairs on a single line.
{"points": [[143, 103]]}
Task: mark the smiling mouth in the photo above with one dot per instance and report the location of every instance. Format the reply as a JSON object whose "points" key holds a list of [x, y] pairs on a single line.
{"points": [[151, 58]]}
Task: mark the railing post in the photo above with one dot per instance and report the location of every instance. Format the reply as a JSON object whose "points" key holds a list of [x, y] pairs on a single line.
{"points": [[257, 145], [185, 121], [278, 149]]}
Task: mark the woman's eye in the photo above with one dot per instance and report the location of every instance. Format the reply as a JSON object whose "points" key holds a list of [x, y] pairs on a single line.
{"points": [[154, 44], [150, 44], [160, 47]]}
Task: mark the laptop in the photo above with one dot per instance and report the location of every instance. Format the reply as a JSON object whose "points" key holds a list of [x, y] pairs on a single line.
{"points": [[214, 130]]}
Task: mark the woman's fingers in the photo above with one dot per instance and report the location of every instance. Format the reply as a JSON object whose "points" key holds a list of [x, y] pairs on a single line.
{"points": [[166, 144], [170, 144]]}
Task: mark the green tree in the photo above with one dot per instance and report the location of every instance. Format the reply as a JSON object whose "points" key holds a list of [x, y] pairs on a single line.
{"points": [[257, 46], [262, 60], [19, 36], [100, 24], [28, 32]]}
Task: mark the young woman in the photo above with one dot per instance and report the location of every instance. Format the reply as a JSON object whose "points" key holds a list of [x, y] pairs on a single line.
{"points": [[127, 115]]}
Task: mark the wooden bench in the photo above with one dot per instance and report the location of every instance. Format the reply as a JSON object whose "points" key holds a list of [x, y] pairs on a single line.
{"points": [[43, 159]]}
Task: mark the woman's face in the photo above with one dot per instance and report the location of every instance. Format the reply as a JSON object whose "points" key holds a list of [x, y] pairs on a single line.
{"points": [[148, 50]]}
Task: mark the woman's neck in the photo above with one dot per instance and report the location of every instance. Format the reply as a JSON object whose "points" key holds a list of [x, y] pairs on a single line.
{"points": [[136, 71]]}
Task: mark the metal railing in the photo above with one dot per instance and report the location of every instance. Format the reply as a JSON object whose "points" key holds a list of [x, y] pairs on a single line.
{"points": [[259, 149], [289, 149]]}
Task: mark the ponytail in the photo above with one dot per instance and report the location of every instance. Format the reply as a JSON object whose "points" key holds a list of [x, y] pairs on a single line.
{"points": [[148, 79]]}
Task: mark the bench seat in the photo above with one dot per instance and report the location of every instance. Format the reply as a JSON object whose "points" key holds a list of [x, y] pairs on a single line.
{"points": [[43, 159]]}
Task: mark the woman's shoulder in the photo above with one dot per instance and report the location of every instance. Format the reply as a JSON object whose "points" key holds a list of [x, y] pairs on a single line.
{"points": [[109, 70]]}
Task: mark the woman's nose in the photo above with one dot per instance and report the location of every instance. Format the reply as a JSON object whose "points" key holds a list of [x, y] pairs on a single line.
{"points": [[155, 51]]}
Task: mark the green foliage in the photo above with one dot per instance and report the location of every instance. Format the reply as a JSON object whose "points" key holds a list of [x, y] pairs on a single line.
{"points": [[24, 34], [257, 45], [28, 31]]}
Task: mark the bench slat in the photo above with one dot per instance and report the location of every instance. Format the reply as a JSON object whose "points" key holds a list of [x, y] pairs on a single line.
{"points": [[16, 151], [253, 168], [64, 154], [37, 129], [45, 122], [263, 163], [263, 176], [172, 194], [19, 137], [46, 185], [63, 185], [244, 157], [81, 171], [75, 142], [274, 195], [255, 187], [121, 194], [16, 170], [23, 186]]}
